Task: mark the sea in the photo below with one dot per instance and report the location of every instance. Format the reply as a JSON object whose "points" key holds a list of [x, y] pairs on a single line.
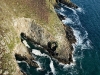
{"points": [[85, 22]]}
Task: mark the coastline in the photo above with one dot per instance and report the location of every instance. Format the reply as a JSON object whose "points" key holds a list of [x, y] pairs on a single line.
{"points": [[44, 29]]}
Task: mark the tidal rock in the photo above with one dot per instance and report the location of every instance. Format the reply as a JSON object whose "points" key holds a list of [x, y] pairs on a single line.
{"points": [[61, 17]]}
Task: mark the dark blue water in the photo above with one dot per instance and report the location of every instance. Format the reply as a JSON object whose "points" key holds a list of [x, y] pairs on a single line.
{"points": [[85, 24], [91, 22]]}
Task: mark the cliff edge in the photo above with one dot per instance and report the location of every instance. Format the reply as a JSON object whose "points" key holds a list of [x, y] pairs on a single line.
{"points": [[38, 21]]}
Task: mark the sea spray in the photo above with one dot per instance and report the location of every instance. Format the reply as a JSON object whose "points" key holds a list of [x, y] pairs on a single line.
{"points": [[67, 21]]}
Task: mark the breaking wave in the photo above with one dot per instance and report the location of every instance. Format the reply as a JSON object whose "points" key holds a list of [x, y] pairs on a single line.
{"points": [[73, 20], [79, 9]]}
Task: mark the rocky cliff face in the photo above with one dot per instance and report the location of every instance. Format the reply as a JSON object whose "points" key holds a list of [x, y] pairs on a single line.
{"points": [[40, 24]]}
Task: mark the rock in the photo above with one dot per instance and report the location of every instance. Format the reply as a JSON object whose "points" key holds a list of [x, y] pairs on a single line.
{"points": [[38, 27], [69, 34], [22, 54], [29, 61], [52, 45], [68, 3], [6, 73], [0, 71], [61, 17]]}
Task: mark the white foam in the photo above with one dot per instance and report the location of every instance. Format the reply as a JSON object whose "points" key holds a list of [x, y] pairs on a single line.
{"points": [[39, 64], [78, 36], [70, 9], [62, 9], [26, 44], [68, 65], [38, 53], [80, 40], [67, 21], [23, 62], [52, 67], [79, 9]]}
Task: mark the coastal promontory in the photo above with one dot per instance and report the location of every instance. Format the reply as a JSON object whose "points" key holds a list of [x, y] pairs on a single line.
{"points": [[35, 21]]}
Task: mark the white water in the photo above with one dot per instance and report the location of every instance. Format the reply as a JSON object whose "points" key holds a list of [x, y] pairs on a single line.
{"points": [[74, 20], [39, 64], [82, 39], [79, 9], [52, 67], [26, 44], [38, 53], [67, 21]]}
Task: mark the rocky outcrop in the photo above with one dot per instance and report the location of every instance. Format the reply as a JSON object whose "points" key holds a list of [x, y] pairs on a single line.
{"points": [[58, 45], [22, 53], [41, 28]]}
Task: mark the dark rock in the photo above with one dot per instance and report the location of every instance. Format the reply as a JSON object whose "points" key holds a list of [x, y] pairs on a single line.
{"points": [[52, 45], [61, 17], [20, 58], [50, 73], [28, 60], [69, 34], [23, 72], [68, 3], [70, 59], [23, 36]]}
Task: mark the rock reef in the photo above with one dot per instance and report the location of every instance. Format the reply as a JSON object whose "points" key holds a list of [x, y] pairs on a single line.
{"points": [[40, 25]]}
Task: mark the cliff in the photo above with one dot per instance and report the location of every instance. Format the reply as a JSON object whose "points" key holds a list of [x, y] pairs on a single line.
{"points": [[38, 21]]}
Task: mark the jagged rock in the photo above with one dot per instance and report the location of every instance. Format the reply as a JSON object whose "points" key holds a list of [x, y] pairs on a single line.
{"points": [[69, 34], [61, 17], [25, 58], [52, 45], [68, 3]]}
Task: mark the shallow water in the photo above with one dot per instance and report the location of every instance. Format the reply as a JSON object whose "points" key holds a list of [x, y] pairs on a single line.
{"points": [[85, 24]]}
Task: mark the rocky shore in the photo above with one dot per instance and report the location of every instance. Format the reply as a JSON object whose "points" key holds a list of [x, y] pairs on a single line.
{"points": [[44, 28]]}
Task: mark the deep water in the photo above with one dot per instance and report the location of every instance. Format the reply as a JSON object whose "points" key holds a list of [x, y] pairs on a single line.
{"points": [[85, 23]]}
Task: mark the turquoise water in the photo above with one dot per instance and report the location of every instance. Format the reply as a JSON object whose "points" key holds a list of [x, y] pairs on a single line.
{"points": [[85, 24]]}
